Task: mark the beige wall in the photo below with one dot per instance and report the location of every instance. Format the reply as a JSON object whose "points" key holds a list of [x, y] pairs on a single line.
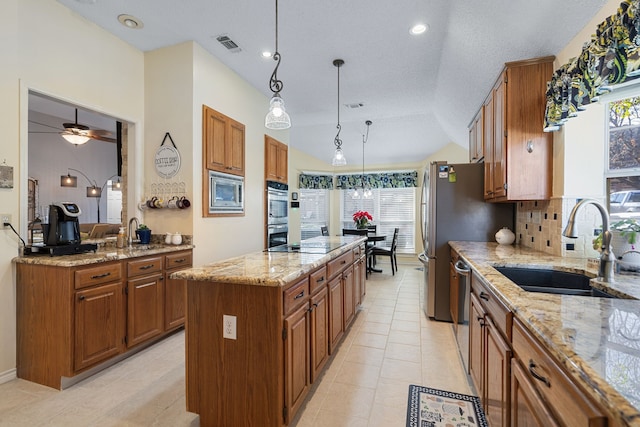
{"points": [[106, 76]]}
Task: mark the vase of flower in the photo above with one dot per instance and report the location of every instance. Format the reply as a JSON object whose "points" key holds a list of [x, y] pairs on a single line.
{"points": [[361, 219]]}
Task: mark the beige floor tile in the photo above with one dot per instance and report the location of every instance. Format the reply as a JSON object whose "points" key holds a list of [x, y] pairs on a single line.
{"points": [[358, 374], [375, 328], [381, 309], [404, 337], [401, 370], [349, 400], [379, 318], [405, 326], [370, 340], [409, 353], [365, 355]]}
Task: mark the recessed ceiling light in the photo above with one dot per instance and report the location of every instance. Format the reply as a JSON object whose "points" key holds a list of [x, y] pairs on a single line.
{"points": [[130, 22], [266, 54], [419, 29]]}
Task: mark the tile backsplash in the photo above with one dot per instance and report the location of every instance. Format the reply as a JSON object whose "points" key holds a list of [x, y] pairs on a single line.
{"points": [[539, 225]]}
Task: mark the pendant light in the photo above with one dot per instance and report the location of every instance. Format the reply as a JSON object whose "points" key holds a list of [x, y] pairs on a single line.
{"points": [[277, 117], [365, 192], [75, 133], [338, 156]]}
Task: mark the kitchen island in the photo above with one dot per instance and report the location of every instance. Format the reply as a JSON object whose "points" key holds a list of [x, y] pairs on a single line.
{"points": [[260, 328], [594, 341]]}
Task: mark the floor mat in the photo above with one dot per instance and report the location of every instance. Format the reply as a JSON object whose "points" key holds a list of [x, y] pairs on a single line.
{"points": [[429, 407]]}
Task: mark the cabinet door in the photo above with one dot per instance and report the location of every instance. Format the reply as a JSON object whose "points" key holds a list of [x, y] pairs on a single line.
{"points": [[488, 147], [476, 147], [282, 162], [319, 332], [349, 296], [497, 376], [276, 162], [99, 324], [527, 408], [213, 135], [454, 295], [499, 138], [336, 325], [144, 309], [476, 345], [175, 295], [234, 147], [296, 360]]}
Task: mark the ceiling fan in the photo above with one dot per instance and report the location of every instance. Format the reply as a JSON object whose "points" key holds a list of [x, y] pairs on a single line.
{"points": [[78, 134]]}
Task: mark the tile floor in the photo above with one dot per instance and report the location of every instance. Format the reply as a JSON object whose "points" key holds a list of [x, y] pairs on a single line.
{"points": [[389, 346]]}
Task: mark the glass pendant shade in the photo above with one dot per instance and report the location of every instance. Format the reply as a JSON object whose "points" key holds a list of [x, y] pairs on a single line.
{"points": [[338, 158], [68, 181], [75, 139], [277, 117]]}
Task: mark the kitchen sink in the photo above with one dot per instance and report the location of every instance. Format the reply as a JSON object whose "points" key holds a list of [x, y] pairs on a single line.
{"points": [[552, 281]]}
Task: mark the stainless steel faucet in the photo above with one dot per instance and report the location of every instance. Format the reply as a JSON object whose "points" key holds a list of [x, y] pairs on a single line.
{"points": [[607, 259], [130, 236]]}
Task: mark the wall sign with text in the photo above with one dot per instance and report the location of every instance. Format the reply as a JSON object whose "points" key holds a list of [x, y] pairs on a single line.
{"points": [[167, 159]]}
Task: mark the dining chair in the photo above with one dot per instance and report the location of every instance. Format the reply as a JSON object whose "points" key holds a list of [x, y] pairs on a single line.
{"points": [[389, 251], [324, 230]]}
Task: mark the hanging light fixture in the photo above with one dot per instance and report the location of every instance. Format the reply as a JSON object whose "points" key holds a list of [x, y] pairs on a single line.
{"points": [[277, 117], [75, 133], [365, 192], [338, 156]]}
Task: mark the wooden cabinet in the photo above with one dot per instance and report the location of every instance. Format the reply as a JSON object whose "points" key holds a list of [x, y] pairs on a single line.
{"points": [[145, 301], [349, 288], [223, 142], [319, 331], [275, 160], [547, 381], [71, 319], [175, 290], [297, 359], [490, 352], [476, 137], [99, 324], [527, 408], [515, 147], [336, 316], [360, 274]]}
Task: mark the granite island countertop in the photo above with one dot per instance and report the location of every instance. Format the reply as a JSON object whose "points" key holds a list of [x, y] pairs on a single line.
{"points": [[597, 340], [103, 254], [270, 268]]}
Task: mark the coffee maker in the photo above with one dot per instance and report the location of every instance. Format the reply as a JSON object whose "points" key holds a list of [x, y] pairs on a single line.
{"points": [[62, 234]]}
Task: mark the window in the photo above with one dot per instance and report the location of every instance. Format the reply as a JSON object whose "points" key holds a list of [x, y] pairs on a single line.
{"points": [[390, 208], [622, 170], [314, 212]]}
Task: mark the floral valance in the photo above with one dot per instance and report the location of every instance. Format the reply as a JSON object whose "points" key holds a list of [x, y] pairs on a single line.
{"points": [[315, 182], [612, 56], [378, 180]]}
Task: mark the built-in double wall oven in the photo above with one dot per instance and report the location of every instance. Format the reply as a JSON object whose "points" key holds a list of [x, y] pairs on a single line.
{"points": [[277, 213]]}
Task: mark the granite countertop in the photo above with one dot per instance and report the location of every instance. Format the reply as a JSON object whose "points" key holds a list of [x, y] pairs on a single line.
{"points": [[597, 340], [103, 254], [269, 268]]}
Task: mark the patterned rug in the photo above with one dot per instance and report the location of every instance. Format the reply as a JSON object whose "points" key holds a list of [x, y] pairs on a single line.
{"points": [[429, 407]]}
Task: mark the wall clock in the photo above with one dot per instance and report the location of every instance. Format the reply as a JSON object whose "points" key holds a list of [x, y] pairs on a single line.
{"points": [[167, 158]]}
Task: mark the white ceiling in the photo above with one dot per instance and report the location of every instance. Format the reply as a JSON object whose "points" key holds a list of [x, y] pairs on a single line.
{"points": [[419, 91]]}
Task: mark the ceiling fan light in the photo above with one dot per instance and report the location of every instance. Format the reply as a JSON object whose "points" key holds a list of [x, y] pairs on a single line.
{"points": [[338, 158], [277, 117], [74, 138]]}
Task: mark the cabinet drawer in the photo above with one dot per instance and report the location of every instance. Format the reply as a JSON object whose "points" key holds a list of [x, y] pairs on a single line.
{"points": [[178, 260], [144, 266], [97, 275], [501, 315], [296, 295], [336, 265], [318, 279], [564, 397]]}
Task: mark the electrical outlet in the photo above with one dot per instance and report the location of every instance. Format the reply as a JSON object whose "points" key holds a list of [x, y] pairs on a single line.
{"points": [[5, 218], [229, 327]]}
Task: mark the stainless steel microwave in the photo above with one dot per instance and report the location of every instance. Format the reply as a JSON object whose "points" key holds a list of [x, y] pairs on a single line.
{"points": [[226, 193]]}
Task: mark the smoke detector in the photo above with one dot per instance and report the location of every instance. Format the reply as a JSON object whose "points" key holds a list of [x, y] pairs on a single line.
{"points": [[226, 41]]}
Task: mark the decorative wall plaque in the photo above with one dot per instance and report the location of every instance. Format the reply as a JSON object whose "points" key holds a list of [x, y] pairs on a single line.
{"points": [[167, 158]]}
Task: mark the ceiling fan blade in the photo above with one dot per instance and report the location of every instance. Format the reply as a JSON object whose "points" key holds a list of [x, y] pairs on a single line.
{"points": [[102, 138], [45, 125]]}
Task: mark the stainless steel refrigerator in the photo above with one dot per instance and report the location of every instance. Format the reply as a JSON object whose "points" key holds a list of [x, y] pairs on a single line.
{"points": [[453, 208]]}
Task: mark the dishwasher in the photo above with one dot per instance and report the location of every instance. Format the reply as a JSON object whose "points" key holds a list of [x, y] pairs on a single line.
{"points": [[462, 329]]}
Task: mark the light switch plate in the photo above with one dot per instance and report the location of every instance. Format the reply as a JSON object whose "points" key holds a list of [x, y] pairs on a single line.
{"points": [[229, 327]]}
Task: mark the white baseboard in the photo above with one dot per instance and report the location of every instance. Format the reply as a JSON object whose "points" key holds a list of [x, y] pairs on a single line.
{"points": [[7, 376]]}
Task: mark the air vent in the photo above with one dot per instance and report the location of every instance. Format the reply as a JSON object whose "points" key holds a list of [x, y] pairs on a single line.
{"points": [[225, 41], [354, 105]]}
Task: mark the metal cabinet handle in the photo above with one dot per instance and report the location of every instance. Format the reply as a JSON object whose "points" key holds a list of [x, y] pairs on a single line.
{"points": [[100, 276], [300, 295], [461, 268], [484, 296], [146, 267], [179, 261], [81, 297], [320, 280], [536, 375]]}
